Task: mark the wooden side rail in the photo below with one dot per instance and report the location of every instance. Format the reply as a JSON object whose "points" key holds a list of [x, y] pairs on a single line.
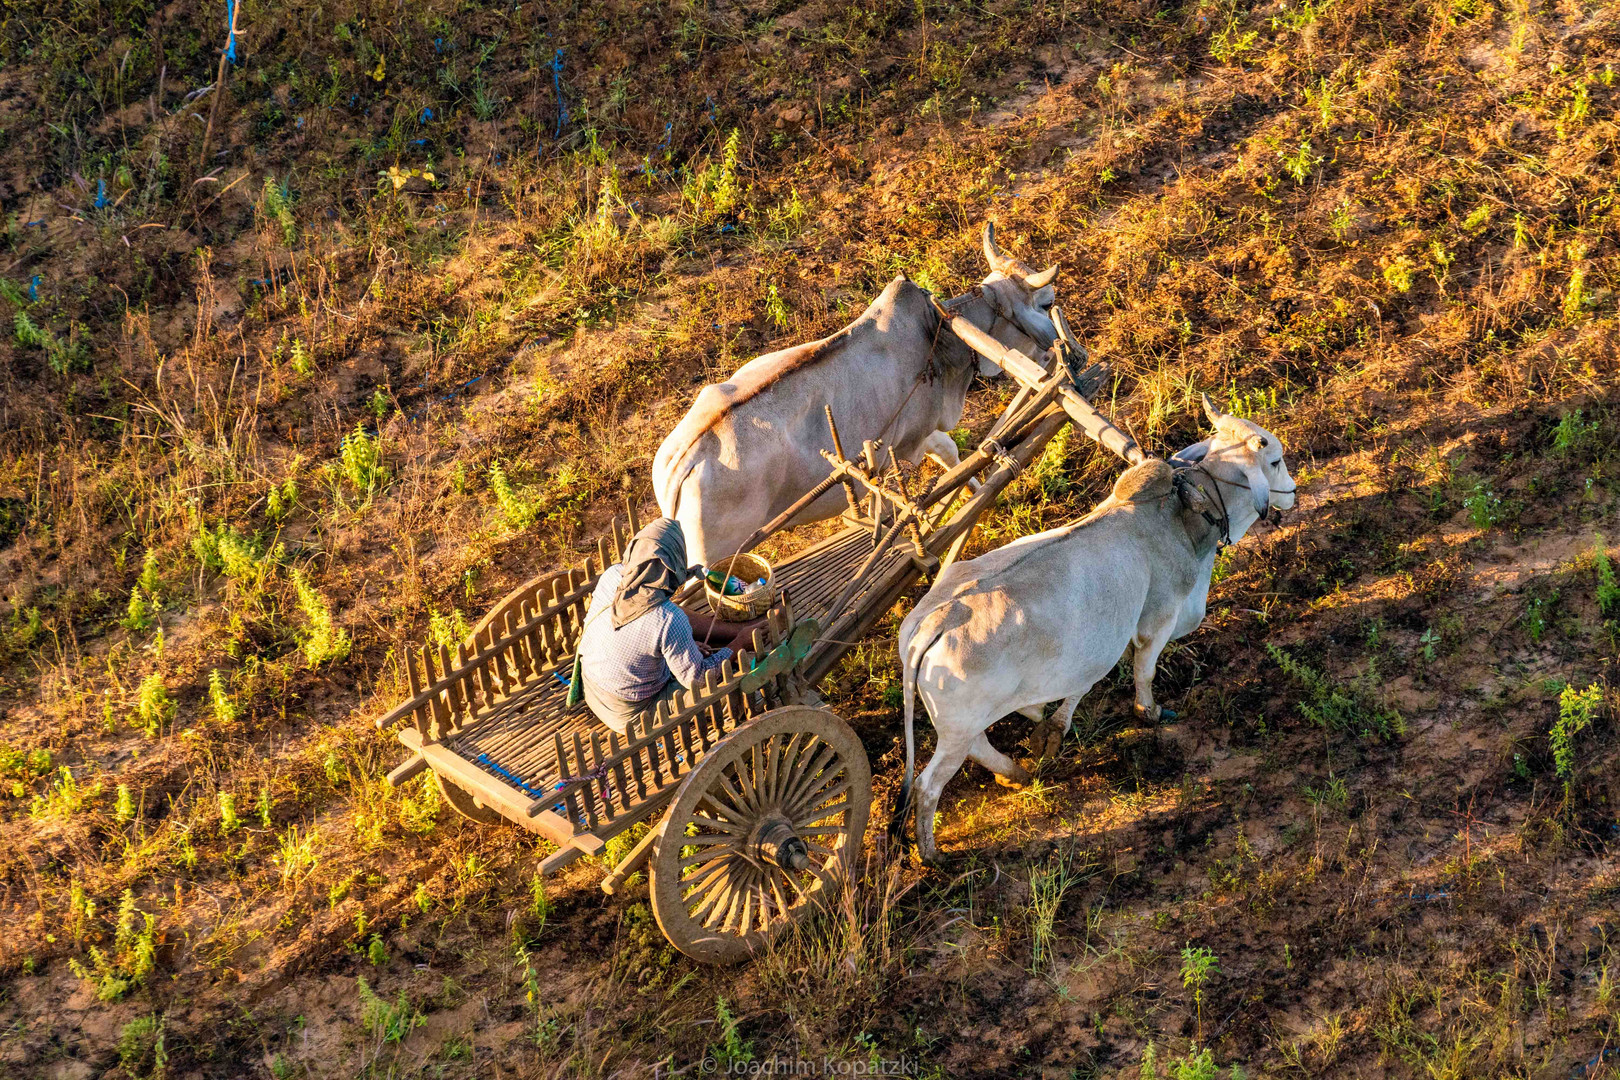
{"points": [[530, 591], [534, 626], [604, 778], [446, 693]]}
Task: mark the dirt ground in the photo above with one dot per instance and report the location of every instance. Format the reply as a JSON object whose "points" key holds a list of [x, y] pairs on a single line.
{"points": [[316, 365]]}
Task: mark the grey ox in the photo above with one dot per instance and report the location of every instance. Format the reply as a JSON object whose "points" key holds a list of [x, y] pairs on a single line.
{"points": [[1046, 616], [750, 446]]}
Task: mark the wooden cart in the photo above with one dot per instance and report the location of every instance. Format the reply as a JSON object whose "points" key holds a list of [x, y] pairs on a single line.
{"points": [[764, 792]]}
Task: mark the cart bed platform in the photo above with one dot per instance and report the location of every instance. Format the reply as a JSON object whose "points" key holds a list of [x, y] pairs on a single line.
{"points": [[495, 725]]}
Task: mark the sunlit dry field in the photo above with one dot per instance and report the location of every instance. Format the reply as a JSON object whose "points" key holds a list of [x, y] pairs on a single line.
{"points": [[311, 365]]}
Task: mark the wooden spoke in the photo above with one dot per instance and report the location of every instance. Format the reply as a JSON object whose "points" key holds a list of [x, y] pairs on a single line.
{"points": [[716, 894], [705, 879], [705, 821], [776, 891], [773, 756], [808, 775], [723, 783], [712, 801], [820, 795], [749, 912], [703, 860]]}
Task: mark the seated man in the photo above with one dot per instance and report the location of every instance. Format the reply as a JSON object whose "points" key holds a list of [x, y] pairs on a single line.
{"points": [[638, 648]]}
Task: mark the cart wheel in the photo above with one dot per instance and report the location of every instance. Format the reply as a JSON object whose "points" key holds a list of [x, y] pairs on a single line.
{"points": [[464, 803], [770, 819]]}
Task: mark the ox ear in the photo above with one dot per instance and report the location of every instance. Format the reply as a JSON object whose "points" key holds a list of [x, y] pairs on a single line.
{"points": [[1042, 279], [1260, 489], [992, 252], [1211, 411], [1191, 455]]}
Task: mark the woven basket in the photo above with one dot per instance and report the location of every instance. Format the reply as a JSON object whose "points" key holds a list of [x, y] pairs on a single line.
{"points": [[754, 601]]}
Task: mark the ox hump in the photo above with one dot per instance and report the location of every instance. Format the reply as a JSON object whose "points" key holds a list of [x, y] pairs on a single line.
{"points": [[1153, 479]]}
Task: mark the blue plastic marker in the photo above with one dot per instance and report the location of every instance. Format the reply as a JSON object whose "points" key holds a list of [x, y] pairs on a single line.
{"points": [[556, 81]]}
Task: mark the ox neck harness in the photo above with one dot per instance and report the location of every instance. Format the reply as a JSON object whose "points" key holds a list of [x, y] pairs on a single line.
{"points": [[1181, 480], [1225, 521]]}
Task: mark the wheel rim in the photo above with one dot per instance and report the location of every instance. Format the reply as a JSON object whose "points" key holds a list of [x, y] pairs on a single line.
{"points": [[462, 801], [769, 820]]}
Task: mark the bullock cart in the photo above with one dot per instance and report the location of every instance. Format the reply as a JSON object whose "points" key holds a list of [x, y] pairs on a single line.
{"points": [[760, 793]]}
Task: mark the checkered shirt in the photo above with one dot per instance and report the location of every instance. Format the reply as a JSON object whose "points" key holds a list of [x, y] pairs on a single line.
{"points": [[636, 660]]}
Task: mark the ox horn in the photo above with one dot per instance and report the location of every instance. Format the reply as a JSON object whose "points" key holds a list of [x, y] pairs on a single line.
{"points": [[1062, 325], [992, 253], [1210, 410], [1042, 279]]}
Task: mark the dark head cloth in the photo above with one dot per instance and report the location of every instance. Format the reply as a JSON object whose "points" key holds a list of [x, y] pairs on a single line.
{"points": [[654, 567]]}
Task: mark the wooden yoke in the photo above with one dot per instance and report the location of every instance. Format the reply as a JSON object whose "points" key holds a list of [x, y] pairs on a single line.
{"points": [[1030, 374]]}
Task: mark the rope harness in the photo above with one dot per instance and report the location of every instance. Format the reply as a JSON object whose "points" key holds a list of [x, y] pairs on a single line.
{"points": [[1180, 481]]}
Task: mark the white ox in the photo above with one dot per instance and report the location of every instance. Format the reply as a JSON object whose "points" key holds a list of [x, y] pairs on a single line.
{"points": [[1046, 616], [750, 446]]}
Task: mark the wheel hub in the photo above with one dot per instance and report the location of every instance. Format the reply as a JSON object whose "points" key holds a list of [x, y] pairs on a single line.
{"points": [[774, 841]]}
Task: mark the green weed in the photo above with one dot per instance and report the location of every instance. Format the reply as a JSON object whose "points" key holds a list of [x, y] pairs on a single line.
{"points": [[1399, 274], [1574, 433], [776, 309], [519, 508], [360, 458], [296, 853], [388, 1022], [133, 957], [278, 209], [1336, 707], [447, 630], [1047, 885], [141, 1050], [1608, 587], [1576, 711], [1535, 617], [714, 191], [1197, 965], [137, 615], [320, 640], [1300, 162], [228, 821], [1484, 506], [734, 1049], [219, 697], [153, 706]]}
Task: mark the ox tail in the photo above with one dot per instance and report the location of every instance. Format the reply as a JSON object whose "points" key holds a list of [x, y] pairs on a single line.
{"points": [[908, 691]]}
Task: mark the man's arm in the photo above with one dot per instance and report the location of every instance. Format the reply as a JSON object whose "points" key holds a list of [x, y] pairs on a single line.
{"points": [[686, 661]]}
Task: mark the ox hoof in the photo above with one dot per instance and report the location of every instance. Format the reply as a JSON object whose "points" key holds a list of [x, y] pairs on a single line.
{"points": [[1015, 781], [1155, 713], [1046, 741]]}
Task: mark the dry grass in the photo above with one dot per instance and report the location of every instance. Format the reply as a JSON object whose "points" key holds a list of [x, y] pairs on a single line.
{"points": [[1387, 232]]}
